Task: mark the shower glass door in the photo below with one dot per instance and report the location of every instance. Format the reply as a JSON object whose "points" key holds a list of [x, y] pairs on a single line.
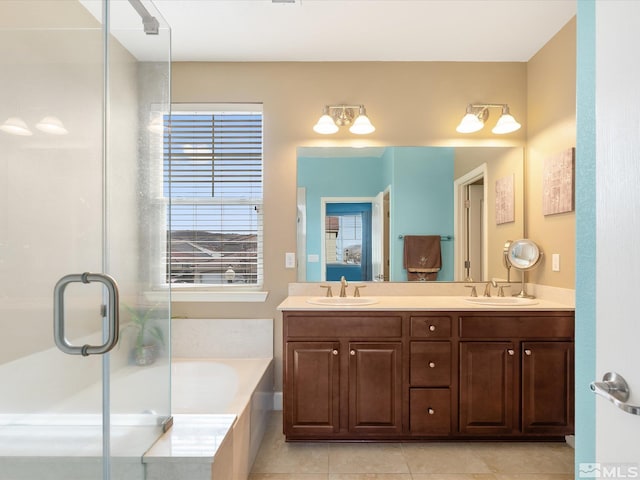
{"points": [[83, 89]]}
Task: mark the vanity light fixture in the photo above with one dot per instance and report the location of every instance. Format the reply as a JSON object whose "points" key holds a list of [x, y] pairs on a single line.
{"points": [[478, 113], [336, 116]]}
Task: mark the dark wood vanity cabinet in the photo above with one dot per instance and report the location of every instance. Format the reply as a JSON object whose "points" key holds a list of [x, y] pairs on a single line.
{"points": [[427, 375], [516, 374], [343, 375], [431, 375]]}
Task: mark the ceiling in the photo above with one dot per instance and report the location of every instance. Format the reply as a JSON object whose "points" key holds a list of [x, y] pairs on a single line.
{"points": [[362, 30]]}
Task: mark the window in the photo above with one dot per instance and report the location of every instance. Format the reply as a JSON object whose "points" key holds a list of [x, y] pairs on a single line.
{"points": [[213, 174]]}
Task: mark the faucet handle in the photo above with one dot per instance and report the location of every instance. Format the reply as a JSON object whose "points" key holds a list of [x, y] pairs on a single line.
{"points": [[329, 292], [474, 292], [501, 288], [356, 293]]}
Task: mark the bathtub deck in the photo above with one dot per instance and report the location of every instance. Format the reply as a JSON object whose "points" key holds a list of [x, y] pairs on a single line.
{"points": [[210, 439]]}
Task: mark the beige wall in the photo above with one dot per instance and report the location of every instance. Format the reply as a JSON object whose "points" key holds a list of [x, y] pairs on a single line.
{"points": [[551, 128], [501, 163], [411, 104]]}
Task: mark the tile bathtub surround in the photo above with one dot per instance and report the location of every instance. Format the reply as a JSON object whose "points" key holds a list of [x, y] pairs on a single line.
{"points": [[278, 460], [222, 338]]}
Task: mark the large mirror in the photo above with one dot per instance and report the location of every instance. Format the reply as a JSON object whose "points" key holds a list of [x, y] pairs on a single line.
{"points": [[359, 207]]}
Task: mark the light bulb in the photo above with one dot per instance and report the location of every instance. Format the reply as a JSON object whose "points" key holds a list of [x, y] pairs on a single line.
{"points": [[362, 125], [326, 124]]}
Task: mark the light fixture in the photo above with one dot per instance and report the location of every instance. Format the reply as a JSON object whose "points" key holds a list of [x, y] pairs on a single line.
{"points": [[16, 126], [52, 125], [335, 116], [478, 113]]}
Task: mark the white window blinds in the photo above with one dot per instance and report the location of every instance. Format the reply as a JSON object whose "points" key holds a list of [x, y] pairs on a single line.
{"points": [[213, 173]]}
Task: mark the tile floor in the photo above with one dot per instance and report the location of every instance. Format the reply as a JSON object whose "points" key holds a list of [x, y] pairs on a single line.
{"points": [[278, 460]]}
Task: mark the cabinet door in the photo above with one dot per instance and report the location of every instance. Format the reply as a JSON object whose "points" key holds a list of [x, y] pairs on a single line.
{"points": [[312, 388], [375, 388], [486, 387], [547, 387]]}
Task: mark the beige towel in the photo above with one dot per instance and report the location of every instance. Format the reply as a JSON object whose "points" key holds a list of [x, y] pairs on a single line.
{"points": [[422, 257]]}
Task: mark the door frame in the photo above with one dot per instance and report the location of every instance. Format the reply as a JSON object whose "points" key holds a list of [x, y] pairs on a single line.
{"points": [[460, 224], [323, 215]]}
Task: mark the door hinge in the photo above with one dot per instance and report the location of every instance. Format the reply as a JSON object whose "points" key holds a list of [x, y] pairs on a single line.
{"points": [[103, 310], [467, 264], [467, 204]]}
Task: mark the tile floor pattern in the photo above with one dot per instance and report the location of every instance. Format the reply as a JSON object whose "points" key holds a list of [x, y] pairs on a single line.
{"points": [[278, 460]]}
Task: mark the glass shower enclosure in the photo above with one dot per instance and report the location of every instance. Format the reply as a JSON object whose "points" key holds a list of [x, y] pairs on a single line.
{"points": [[84, 86]]}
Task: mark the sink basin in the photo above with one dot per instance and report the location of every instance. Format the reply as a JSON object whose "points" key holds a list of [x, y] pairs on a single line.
{"points": [[342, 301], [502, 301]]}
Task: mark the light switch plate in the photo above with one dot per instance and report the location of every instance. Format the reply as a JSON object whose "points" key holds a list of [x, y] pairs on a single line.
{"points": [[555, 262], [290, 260]]}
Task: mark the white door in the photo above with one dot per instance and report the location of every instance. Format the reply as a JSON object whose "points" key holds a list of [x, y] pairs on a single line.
{"points": [[377, 237], [617, 231]]}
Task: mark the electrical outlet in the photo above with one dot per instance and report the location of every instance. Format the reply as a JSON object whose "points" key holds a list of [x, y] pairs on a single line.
{"points": [[290, 260], [555, 262]]}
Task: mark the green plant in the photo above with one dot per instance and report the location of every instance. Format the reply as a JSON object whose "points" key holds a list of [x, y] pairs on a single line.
{"points": [[142, 321]]}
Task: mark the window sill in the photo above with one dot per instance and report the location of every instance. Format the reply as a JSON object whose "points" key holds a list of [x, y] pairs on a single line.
{"points": [[189, 296]]}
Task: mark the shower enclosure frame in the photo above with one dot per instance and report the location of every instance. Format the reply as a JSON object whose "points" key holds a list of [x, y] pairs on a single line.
{"points": [[82, 213]]}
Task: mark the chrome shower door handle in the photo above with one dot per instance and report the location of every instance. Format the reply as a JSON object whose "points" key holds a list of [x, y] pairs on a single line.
{"points": [[614, 388], [112, 312]]}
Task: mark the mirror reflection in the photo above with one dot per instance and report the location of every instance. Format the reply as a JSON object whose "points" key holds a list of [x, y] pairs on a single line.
{"points": [[407, 213]]}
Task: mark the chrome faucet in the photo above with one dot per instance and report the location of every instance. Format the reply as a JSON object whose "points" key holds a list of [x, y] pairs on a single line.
{"points": [[487, 288], [343, 286]]}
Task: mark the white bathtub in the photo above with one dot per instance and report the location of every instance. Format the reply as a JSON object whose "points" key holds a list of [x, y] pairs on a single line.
{"points": [[203, 389], [31, 444]]}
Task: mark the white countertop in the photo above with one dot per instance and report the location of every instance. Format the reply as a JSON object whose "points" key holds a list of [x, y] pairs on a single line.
{"points": [[420, 303]]}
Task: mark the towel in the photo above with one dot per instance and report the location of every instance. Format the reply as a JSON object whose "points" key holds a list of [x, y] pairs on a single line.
{"points": [[422, 257]]}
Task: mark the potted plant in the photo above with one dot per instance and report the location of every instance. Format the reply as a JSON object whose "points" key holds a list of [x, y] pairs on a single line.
{"points": [[149, 337]]}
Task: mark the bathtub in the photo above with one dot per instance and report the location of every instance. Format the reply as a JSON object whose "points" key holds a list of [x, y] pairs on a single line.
{"points": [[212, 391], [69, 431]]}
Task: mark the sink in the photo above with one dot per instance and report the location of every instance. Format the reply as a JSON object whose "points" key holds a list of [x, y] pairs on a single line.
{"points": [[502, 301], [342, 301]]}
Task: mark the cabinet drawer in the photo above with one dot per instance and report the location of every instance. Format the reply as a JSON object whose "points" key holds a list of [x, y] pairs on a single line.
{"points": [[430, 411], [430, 364], [431, 327], [341, 326], [525, 326]]}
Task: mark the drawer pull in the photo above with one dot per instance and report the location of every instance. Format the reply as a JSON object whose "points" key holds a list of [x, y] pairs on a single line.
{"points": [[527, 352], [511, 352], [352, 352], [432, 364], [432, 328], [431, 411], [335, 352]]}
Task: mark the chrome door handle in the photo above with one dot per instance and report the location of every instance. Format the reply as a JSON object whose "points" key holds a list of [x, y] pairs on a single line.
{"points": [[112, 312], [614, 388]]}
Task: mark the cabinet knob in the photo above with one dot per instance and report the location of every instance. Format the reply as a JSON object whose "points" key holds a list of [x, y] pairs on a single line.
{"points": [[511, 352], [527, 352], [430, 411], [432, 328], [432, 364], [335, 352], [352, 352]]}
